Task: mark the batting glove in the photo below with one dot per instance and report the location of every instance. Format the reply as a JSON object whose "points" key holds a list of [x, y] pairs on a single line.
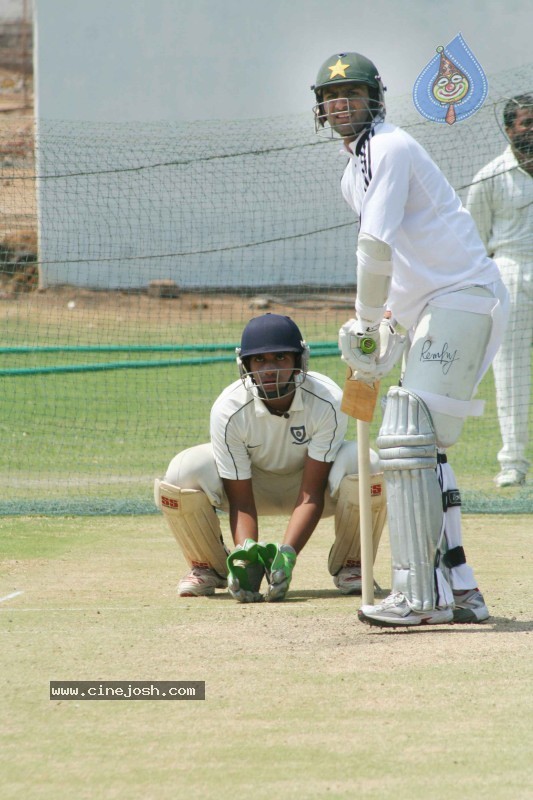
{"points": [[370, 352], [279, 562], [245, 573]]}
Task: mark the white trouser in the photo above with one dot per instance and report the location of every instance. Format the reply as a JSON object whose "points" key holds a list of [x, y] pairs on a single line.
{"points": [[512, 365], [274, 494]]}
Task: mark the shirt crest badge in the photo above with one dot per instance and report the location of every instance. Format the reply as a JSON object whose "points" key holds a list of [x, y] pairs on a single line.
{"points": [[299, 434]]}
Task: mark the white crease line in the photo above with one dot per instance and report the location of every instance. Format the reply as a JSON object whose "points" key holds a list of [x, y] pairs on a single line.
{"points": [[10, 596], [90, 609]]}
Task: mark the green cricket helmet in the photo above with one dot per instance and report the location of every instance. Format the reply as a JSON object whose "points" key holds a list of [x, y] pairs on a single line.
{"points": [[343, 68], [348, 68]]}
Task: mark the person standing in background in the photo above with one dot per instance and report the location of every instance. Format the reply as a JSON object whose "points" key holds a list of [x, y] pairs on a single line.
{"points": [[501, 203]]}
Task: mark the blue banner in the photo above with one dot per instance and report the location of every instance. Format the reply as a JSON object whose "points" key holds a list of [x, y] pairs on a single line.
{"points": [[452, 86]]}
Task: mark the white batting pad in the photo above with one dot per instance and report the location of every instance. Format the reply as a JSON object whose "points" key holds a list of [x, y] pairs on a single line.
{"points": [[407, 447]]}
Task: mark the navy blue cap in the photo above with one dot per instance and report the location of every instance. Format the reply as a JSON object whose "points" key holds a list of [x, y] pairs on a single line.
{"points": [[271, 333]]}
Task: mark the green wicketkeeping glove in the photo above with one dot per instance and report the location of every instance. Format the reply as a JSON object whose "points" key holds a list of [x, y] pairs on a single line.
{"points": [[245, 573], [279, 562]]}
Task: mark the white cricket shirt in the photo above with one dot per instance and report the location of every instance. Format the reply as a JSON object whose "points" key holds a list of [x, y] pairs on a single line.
{"points": [[244, 433], [501, 203], [403, 199]]}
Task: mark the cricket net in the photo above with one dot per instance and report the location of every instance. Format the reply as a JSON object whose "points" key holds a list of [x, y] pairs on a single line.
{"points": [[131, 256]]}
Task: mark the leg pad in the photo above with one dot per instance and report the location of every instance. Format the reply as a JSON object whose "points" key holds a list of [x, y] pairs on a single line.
{"points": [[195, 525], [347, 545], [408, 452]]}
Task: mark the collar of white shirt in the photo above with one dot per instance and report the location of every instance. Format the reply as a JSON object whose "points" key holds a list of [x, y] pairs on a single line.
{"points": [[296, 405]]}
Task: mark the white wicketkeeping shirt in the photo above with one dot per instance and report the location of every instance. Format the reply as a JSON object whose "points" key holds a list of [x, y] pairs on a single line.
{"points": [[403, 199], [244, 433]]}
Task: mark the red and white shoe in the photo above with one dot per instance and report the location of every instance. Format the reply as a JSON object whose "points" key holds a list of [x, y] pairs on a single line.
{"points": [[201, 582], [348, 580], [395, 612]]}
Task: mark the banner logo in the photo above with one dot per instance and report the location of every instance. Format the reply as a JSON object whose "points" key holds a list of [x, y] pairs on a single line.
{"points": [[452, 86]]}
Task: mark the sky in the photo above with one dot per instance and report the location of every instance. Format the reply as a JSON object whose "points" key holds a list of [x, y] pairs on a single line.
{"points": [[188, 60]]}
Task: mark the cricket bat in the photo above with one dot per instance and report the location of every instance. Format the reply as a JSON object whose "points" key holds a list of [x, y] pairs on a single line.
{"points": [[358, 401]]}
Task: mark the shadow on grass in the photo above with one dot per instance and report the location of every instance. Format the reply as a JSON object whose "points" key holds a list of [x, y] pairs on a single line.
{"points": [[491, 625], [303, 595]]}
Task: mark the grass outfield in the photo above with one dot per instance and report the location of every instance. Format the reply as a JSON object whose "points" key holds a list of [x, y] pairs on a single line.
{"points": [[302, 701]]}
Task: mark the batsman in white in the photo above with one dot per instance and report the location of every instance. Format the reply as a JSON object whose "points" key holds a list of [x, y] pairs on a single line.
{"points": [[420, 261], [501, 203], [277, 448]]}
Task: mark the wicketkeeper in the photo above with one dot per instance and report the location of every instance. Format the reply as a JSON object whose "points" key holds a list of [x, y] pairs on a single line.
{"points": [[420, 260], [277, 448]]}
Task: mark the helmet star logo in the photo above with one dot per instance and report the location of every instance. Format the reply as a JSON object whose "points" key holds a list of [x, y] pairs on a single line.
{"points": [[338, 69]]}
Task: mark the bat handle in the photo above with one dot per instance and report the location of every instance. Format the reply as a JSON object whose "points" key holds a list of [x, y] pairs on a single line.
{"points": [[365, 513]]}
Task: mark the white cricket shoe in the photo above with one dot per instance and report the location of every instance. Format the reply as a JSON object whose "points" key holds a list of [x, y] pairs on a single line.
{"points": [[200, 582], [395, 612], [510, 477], [469, 606], [348, 580]]}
